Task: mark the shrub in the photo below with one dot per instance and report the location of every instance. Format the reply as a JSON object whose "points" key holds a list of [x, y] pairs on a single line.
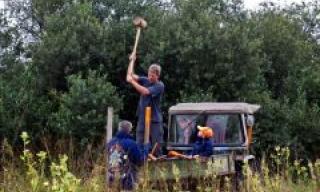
{"points": [[82, 110]]}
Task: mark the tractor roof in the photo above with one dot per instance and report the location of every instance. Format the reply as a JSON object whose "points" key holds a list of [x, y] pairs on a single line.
{"points": [[214, 108]]}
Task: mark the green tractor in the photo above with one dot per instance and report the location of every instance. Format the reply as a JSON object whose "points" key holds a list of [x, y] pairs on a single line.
{"points": [[232, 124]]}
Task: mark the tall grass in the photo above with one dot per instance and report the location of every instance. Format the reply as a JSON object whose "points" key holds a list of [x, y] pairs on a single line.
{"points": [[35, 172]]}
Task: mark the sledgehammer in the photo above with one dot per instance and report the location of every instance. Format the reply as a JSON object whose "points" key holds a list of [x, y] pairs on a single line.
{"points": [[139, 23]]}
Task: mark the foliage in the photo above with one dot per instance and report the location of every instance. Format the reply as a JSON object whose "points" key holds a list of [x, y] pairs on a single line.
{"points": [[208, 50], [304, 129], [73, 41], [276, 175], [30, 15], [22, 105], [200, 95], [82, 110], [60, 177]]}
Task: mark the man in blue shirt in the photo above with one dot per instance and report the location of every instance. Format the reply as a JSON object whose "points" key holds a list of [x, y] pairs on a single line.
{"points": [[124, 159], [151, 90]]}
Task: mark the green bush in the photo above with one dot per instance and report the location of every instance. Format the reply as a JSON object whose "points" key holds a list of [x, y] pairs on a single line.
{"points": [[22, 105], [82, 110]]}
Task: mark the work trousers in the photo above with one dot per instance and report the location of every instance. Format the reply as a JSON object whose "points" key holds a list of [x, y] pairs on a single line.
{"points": [[156, 132]]}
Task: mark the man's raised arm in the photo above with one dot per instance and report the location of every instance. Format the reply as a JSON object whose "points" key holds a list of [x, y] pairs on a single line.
{"points": [[130, 72], [133, 78]]}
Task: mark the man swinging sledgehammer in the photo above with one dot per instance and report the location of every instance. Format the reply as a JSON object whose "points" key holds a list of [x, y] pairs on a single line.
{"points": [[151, 90]]}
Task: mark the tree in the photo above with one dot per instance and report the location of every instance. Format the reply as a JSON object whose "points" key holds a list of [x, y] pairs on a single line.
{"points": [[23, 106], [82, 111], [208, 50], [30, 15], [72, 42]]}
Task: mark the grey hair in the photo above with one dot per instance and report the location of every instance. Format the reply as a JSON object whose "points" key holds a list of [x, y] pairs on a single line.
{"points": [[155, 68], [125, 126]]}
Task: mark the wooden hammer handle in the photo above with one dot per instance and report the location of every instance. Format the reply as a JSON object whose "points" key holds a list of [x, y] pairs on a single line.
{"points": [[134, 50], [155, 148]]}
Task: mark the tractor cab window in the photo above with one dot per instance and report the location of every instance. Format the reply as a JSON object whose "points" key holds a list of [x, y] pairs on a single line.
{"points": [[226, 127], [184, 129]]}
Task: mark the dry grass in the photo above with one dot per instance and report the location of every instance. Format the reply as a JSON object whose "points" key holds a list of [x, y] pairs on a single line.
{"points": [[35, 173]]}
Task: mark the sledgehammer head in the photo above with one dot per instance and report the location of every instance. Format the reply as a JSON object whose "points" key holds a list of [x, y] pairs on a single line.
{"points": [[139, 22]]}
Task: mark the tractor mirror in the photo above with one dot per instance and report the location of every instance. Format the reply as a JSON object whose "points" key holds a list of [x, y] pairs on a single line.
{"points": [[250, 120]]}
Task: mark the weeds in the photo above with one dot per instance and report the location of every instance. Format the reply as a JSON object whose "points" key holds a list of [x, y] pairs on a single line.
{"points": [[38, 174], [33, 176]]}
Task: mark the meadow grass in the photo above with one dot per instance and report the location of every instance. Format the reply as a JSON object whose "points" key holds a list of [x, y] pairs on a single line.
{"points": [[36, 172]]}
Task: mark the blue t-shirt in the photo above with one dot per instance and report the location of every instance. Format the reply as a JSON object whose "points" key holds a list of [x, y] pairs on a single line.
{"points": [[153, 99], [202, 147]]}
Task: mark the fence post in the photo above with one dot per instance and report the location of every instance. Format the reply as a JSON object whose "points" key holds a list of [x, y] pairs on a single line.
{"points": [[109, 124], [109, 119]]}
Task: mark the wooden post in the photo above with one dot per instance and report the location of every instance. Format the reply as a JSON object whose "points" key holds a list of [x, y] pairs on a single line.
{"points": [[147, 125], [109, 119], [109, 124]]}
